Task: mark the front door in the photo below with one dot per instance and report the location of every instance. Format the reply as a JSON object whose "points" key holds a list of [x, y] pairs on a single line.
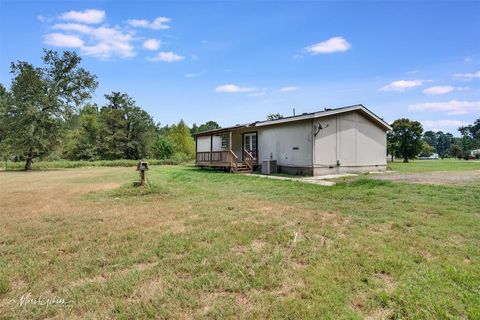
{"points": [[250, 143]]}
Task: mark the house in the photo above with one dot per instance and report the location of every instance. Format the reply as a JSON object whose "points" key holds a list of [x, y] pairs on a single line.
{"points": [[348, 139]]}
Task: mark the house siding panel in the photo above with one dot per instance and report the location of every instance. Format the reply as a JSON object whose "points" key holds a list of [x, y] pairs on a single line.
{"points": [[289, 143]]}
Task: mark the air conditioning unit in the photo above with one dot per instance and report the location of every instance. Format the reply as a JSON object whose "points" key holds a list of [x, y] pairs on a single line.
{"points": [[269, 166]]}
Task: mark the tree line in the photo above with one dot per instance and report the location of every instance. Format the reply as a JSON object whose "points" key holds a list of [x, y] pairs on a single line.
{"points": [[46, 114], [408, 141]]}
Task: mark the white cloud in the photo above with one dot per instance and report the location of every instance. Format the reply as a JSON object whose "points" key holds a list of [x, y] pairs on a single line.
{"points": [[452, 107], [336, 44], [167, 57], [101, 42], [77, 27], [438, 125], [288, 89], [87, 16], [63, 40], [467, 60], [152, 44], [160, 23], [110, 42], [233, 88], [467, 76], [438, 90], [402, 85]]}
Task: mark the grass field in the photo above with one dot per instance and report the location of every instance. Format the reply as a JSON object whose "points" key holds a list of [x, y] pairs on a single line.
{"points": [[203, 244], [435, 165]]}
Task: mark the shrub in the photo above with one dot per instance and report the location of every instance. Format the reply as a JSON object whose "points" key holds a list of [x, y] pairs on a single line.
{"points": [[163, 148]]}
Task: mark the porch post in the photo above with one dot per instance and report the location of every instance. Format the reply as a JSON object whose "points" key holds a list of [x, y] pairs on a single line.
{"points": [[230, 141], [211, 148]]}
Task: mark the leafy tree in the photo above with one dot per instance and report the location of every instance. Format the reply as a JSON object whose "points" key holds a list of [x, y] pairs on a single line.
{"points": [[431, 138], [164, 148], [127, 130], [470, 138], [426, 150], [43, 99], [406, 135], [5, 132], [274, 116], [392, 145], [209, 125], [180, 135], [455, 151], [444, 140], [83, 141]]}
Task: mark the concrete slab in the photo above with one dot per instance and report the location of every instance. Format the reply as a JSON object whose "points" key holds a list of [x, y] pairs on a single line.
{"points": [[304, 180]]}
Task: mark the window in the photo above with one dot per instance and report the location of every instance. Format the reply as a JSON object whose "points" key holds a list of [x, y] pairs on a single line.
{"points": [[224, 138]]}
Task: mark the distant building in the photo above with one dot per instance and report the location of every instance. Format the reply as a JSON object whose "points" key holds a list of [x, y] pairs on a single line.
{"points": [[433, 156]]}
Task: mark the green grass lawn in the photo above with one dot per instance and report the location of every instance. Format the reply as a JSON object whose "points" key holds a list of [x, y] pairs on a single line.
{"points": [[211, 245], [434, 165]]}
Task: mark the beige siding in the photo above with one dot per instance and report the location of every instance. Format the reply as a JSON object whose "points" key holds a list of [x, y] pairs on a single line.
{"points": [[290, 143], [203, 144], [350, 138], [326, 141]]}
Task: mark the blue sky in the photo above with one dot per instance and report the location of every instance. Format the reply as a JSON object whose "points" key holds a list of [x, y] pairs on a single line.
{"points": [[235, 62]]}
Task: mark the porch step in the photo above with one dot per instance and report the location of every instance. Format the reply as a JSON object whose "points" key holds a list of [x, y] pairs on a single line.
{"points": [[243, 168]]}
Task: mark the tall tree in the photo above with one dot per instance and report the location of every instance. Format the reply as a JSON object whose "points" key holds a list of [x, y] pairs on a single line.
{"points": [[180, 135], [444, 140], [43, 99], [127, 130], [407, 136], [209, 125], [5, 132], [431, 138], [83, 140]]}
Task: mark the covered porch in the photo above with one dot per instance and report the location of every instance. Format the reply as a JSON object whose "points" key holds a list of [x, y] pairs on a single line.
{"points": [[234, 149]]}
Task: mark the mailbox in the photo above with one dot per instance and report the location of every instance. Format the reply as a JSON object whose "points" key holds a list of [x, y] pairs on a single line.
{"points": [[142, 166]]}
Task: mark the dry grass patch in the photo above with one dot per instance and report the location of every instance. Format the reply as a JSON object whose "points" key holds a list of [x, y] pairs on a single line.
{"points": [[200, 244]]}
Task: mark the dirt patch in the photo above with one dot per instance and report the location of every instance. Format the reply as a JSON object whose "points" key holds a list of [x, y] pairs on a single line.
{"points": [[360, 303], [386, 281], [455, 178], [147, 291], [258, 245], [209, 299]]}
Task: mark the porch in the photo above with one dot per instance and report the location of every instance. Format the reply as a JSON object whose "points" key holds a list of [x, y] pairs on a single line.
{"points": [[233, 150]]}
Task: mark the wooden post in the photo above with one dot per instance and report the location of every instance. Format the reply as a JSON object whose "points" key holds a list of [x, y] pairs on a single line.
{"points": [[142, 177], [211, 148]]}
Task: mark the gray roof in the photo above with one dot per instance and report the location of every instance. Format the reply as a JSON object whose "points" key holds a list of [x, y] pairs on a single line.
{"points": [[311, 115]]}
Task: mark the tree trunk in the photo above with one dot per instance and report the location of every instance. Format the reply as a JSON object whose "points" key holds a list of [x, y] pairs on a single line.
{"points": [[28, 164], [405, 160]]}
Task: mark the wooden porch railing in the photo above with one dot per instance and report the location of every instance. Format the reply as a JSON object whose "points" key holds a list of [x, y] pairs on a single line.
{"points": [[218, 157], [249, 159]]}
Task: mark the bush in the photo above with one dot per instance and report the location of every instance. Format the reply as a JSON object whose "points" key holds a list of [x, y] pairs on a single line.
{"points": [[163, 148], [181, 157]]}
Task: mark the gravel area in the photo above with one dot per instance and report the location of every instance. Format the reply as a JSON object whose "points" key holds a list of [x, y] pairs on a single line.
{"points": [[440, 178]]}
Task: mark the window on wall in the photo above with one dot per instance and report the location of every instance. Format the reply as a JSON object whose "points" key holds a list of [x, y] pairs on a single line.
{"points": [[224, 138]]}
